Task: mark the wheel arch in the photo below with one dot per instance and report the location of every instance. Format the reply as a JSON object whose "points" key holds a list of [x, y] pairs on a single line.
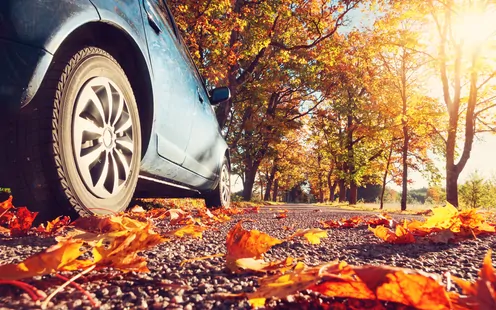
{"points": [[132, 58]]}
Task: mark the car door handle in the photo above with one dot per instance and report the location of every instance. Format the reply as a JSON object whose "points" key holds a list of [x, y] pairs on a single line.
{"points": [[153, 23], [199, 95]]}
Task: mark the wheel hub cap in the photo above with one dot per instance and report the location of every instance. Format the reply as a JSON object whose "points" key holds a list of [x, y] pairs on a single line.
{"points": [[102, 137]]}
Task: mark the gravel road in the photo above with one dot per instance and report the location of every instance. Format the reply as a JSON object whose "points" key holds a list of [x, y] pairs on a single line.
{"points": [[168, 285]]}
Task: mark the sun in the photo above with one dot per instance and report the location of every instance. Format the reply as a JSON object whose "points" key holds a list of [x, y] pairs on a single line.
{"points": [[475, 25]]}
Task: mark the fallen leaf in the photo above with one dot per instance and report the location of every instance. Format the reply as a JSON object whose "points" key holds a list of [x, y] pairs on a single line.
{"points": [[443, 236], [312, 235], [242, 243], [192, 230], [61, 256], [400, 236], [21, 222], [260, 265]]}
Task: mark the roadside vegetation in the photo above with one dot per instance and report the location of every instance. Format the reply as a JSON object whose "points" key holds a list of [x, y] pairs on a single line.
{"points": [[331, 97]]}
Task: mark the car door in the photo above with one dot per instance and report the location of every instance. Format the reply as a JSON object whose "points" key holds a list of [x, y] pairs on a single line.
{"points": [[173, 90], [205, 144]]}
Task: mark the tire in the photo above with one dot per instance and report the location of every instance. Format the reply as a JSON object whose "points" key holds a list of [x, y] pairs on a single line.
{"points": [[77, 145], [221, 195]]}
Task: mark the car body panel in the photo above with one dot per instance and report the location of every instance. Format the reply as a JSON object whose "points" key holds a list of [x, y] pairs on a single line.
{"points": [[183, 126]]}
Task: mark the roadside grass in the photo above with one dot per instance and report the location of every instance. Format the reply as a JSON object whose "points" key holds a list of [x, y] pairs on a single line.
{"points": [[388, 207]]}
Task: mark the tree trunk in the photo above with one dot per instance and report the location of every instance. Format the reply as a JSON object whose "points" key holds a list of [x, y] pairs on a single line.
{"points": [[270, 181], [452, 185], [353, 193], [249, 179], [404, 192], [342, 190], [276, 189], [406, 138], [384, 179]]}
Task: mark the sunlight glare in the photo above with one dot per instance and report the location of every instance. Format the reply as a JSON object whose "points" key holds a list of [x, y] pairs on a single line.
{"points": [[476, 26]]}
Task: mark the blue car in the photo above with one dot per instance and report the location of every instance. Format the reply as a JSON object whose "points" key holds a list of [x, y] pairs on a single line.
{"points": [[102, 102]]}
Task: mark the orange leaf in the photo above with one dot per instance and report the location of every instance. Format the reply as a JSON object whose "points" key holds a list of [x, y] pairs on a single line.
{"points": [[260, 265], [21, 223], [54, 226], [61, 256], [6, 205], [400, 236], [192, 230], [242, 243], [313, 235]]}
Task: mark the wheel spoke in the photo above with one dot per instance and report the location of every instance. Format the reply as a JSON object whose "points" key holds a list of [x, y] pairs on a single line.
{"points": [[87, 129], [123, 124], [90, 155], [97, 104], [115, 174], [124, 163], [125, 144], [104, 173], [118, 109]]}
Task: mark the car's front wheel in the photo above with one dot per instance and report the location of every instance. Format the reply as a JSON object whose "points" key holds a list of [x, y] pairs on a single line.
{"points": [[221, 195], [78, 144]]}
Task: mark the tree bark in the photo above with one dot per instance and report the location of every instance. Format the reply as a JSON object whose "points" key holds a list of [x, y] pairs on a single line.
{"points": [[270, 181], [249, 179], [384, 179], [276, 189], [342, 190], [406, 138], [353, 193]]}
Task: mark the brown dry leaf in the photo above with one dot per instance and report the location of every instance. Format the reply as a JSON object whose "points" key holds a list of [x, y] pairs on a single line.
{"points": [[6, 205], [122, 253], [192, 230], [179, 217], [404, 286], [242, 243], [281, 214], [400, 236], [381, 219], [61, 256], [443, 236], [54, 226], [21, 222], [312, 235], [260, 265], [282, 286]]}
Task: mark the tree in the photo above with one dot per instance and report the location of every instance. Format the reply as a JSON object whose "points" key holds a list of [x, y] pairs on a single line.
{"points": [[263, 50], [401, 65], [476, 192], [465, 47]]}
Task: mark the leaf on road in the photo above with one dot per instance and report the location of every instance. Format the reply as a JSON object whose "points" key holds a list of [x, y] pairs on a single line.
{"points": [[443, 236], [6, 205], [399, 236], [312, 235], [192, 230], [61, 256], [21, 222], [242, 243], [389, 284], [281, 214], [260, 265], [54, 226], [482, 293]]}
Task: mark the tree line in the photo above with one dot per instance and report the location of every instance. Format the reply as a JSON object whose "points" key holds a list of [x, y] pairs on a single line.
{"points": [[320, 100]]}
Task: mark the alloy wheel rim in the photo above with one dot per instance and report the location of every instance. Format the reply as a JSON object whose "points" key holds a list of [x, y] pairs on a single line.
{"points": [[102, 137], [225, 191]]}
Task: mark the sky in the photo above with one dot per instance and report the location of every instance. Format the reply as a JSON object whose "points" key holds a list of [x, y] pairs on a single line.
{"points": [[482, 159]]}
